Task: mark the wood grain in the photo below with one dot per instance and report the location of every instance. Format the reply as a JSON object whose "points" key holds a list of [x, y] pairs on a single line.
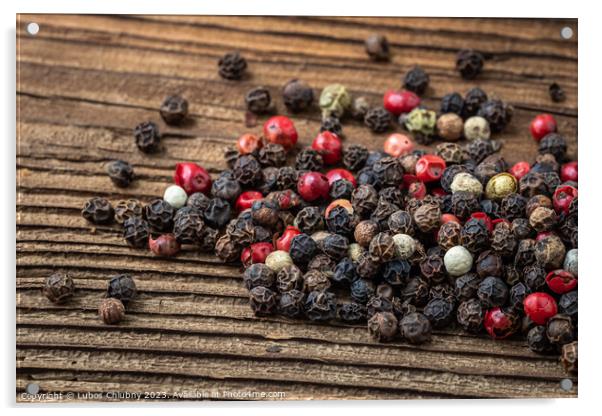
{"points": [[85, 81]]}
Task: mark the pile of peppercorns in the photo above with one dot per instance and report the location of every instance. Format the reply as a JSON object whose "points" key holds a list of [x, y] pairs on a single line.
{"points": [[403, 240]]}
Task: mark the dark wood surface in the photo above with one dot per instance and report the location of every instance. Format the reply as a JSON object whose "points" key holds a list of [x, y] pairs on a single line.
{"points": [[85, 81]]}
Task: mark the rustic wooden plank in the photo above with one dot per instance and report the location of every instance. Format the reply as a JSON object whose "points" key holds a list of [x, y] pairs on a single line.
{"points": [[302, 372]]}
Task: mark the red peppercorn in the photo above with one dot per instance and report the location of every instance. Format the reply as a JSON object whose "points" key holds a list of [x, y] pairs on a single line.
{"points": [[246, 199], [520, 169], [345, 203], [449, 218], [560, 281], [329, 146], [417, 190], [256, 253], [284, 242], [500, 324], [542, 125], [165, 245], [280, 130], [429, 168], [438, 191], [340, 173], [484, 218], [312, 186], [398, 102], [248, 143], [398, 144], [563, 196], [568, 172], [540, 307], [192, 177]]}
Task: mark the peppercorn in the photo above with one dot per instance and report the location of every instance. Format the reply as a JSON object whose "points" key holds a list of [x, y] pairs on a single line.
{"points": [[122, 287], [465, 287], [334, 101], [556, 92], [359, 107], [232, 66], [351, 312], [111, 311], [354, 157], [513, 206], [476, 128], [120, 173], [217, 213], [302, 248], [449, 234], [497, 113], [400, 222], [272, 154], [555, 144], [458, 261], [377, 47], [291, 303], [127, 209], [175, 196], [538, 340], [361, 290], [297, 95], [258, 274], [58, 288], [341, 189], [382, 326], [277, 260], [549, 252], [469, 63], [367, 266], [489, 263], [479, 149], [188, 225], [247, 170], [452, 103], [258, 100], [422, 121], [571, 261], [98, 211], [405, 245], [569, 357], [159, 215], [320, 306], [492, 292], [309, 159], [543, 219], [136, 232], [192, 177], [416, 291], [174, 109], [501, 323], [379, 303], [147, 137], [378, 119], [503, 240], [470, 315], [428, 217], [333, 125], [451, 153], [463, 203], [389, 171], [439, 312], [532, 184], [525, 253], [335, 246], [465, 182], [263, 301], [383, 248], [344, 272], [315, 280], [432, 267], [226, 249], [364, 200], [560, 330], [416, 80], [339, 221], [264, 212], [415, 328], [309, 220]]}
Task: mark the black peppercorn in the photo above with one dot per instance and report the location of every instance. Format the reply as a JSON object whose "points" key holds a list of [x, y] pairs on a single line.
{"points": [[147, 137], [226, 187], [469, 63], [230, 156], [120, 172], [341, 189], [320, 306], [451, 153], [289, 278], [174, 109], [416, 291], [217, 213], [291, 303], [533, 184], [98, 211], [258, 100], [322, 263], [440, 312], [489, 264], [452, 103], [198, 200], [560, 329], [567, 305], [265, 212], [416, 80], [122, 287], [58, 288], [389, 171], [415, 328], [344, 272], [382, 326], [232, 66], [473, 100], [335, 246], [297, 95], [188, 225], [534, 277], [333, 125], [513, 206], [362, 290], [517, 295], [396, 272], [479, 149], [364, 200], [247, 170], [127, 209], [556, 93], [377, 47], [497, 113], [384, 290], [354, 157], [470, 315], [258, 274], [466, 286], [433, 269], [383, 247], [159, 215], [378, 119], [309, 220], [521, 229], [351, 312], [569, 357], [464, 203], [340, 221], [400, 222], [207, 239], [538, 340], [302, 248], [309, 159], [263, 301], [226, 249], [272, 154], [366, 176], [550, 252], [315, 280], [378, 304], [136, 232], [492, 292], [449, 235], [554, 144], [287, 178], [367, 266], [428, 217]]}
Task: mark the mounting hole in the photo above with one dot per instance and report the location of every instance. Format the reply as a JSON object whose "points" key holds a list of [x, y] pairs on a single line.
{"points": [[566, 32], [32, 28], [566, 384]]}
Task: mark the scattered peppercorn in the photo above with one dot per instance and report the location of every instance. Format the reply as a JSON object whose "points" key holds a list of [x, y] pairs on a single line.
{"points": [[147, 137], [98, 211], [377, 47], [58, 288], [258, 100], [232, 66], [111, 311], [416, 80], [126, 209], [120, 172], [297, 95], [378, 119], [415, 328], [497, 113], [469, 63], [556, 93], [334, 101], [174, 109]]}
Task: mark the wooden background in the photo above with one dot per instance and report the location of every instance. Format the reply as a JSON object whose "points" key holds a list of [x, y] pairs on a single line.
{"points": [[85, 81]]}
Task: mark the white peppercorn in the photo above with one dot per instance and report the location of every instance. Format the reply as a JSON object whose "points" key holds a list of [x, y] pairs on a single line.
{"points": [[355, 251], [175, 196], [406, 245], [570, 261], [465, 182], [476, 127], [458, 261], [278, 260]]}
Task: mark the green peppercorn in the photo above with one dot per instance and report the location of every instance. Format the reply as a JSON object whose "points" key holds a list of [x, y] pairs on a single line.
{"points": [[334, 101], [420, 120]]}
